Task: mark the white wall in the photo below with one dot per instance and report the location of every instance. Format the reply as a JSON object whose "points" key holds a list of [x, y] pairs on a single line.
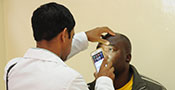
{"points": [[2, 47], [149, 24]]}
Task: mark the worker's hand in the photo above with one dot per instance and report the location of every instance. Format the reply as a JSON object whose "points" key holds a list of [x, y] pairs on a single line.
{"points": [[106, 69], [94, 35]]}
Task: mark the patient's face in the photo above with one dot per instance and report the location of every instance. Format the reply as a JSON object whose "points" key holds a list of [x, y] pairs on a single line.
{"points": [[118, 58], [109, 51]]}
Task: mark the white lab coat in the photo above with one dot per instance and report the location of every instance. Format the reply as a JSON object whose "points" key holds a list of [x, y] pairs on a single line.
{"points": [[41, 69]]}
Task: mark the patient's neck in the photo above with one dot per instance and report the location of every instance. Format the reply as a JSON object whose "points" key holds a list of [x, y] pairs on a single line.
{"points": [[122, 78]]}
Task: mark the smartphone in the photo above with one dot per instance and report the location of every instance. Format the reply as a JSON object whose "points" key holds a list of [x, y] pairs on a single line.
{"points": [[97, 57]]}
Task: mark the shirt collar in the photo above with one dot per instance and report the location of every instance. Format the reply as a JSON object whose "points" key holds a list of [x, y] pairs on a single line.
{"points": [[43, 54], [138, 82]]}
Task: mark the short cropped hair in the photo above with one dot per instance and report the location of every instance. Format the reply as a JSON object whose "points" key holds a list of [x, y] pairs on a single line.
{"points": [[50, 19]]}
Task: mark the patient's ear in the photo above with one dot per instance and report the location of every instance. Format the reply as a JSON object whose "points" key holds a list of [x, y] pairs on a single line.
{"points": [[128, 58]]}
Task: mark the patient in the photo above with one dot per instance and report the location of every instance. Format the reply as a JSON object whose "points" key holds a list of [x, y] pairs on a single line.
{"points": [[126, 75]]}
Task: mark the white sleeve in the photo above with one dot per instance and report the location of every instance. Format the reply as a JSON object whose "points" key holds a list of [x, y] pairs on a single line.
{"points": [[102, 83], [79, 43], [78, 84]]}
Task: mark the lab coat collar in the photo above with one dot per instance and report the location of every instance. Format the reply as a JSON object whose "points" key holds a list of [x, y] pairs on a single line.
{"points": [[43, 54]]}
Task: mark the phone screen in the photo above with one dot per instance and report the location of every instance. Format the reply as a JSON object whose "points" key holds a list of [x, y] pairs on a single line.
{"points": [[98, 58]]}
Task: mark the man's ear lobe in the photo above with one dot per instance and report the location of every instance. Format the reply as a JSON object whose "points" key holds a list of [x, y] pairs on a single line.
{"points": [[128, 58], [63, 35]]}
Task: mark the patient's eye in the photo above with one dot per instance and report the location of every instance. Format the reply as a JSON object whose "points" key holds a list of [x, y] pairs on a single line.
{"points": [[110, 49]]}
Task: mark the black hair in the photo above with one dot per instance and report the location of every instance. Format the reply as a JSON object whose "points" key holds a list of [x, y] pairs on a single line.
{"points": [[50, 19], [122, 37]]}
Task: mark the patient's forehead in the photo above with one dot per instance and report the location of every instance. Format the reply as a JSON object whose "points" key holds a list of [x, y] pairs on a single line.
{"points": [[114, 39], [115, 42]]}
